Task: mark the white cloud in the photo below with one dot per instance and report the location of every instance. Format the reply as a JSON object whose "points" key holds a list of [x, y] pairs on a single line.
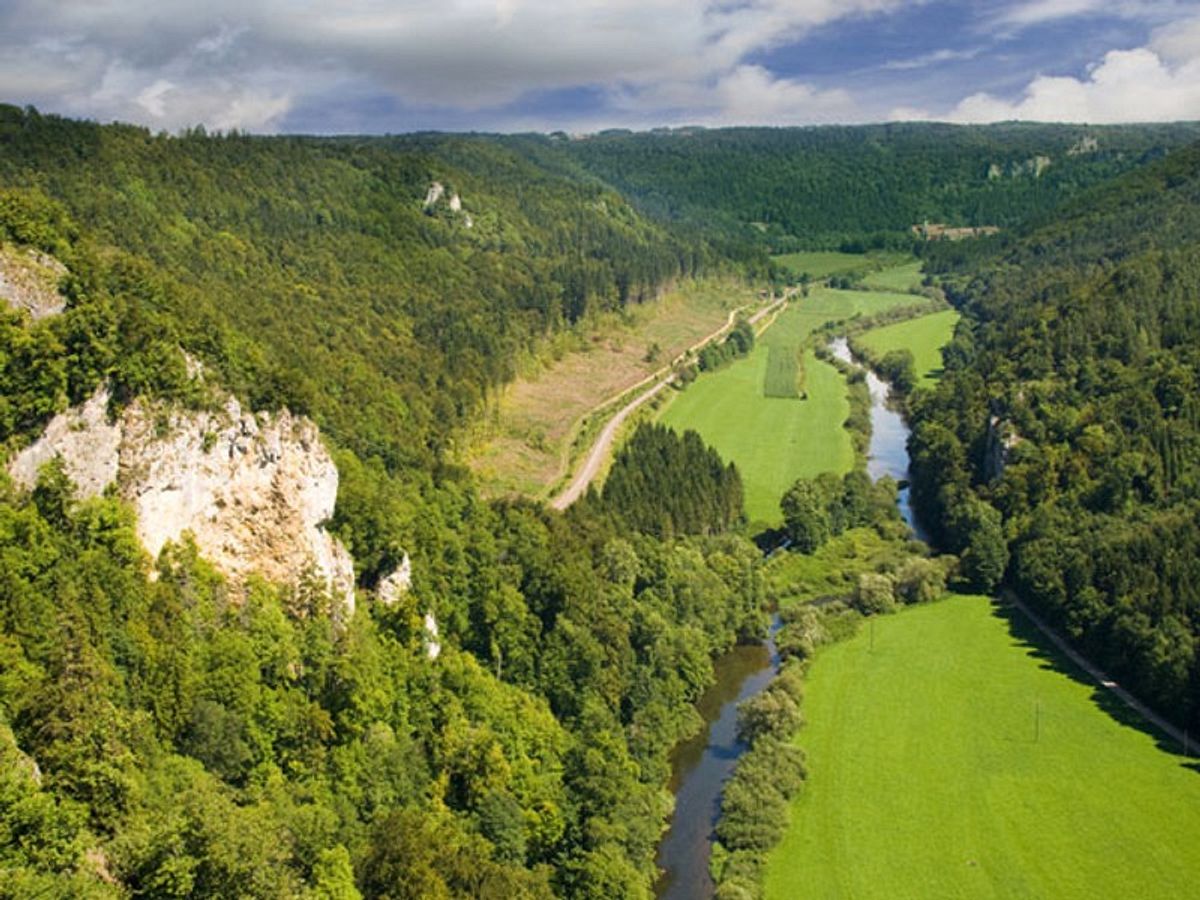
{"points": [[249, 61], [1127, 86], [1038, 11], [932, 58], [1177, 43]]}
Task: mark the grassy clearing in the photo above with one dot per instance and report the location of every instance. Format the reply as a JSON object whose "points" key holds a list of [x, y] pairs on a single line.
{"points": [[775, 441], [899, 278], [524, 444], [932, 773], [925, 337], [782, 379], [824, 263]]}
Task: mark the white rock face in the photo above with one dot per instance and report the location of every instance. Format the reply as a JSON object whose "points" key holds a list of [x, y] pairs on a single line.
{"points": [[254, 490], [395, 584], [434, 194], [85, 440], [433, 647]]}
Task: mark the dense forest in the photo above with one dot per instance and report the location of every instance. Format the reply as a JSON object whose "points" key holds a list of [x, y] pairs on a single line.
{"points": [[1067, 429], [864, 186], [165, 733]]}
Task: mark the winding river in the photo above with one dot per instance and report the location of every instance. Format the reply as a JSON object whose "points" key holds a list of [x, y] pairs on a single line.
{"points": [[700, 766], [887, 453]]}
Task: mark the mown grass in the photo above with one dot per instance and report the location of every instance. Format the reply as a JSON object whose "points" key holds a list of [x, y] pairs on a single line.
{"points": [[820, 264], [896, 278], [950, 756], [924, 336], [774, 441], [782, 379]]}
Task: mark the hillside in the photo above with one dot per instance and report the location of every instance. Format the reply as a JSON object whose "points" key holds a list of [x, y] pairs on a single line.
{"points": [[1069, 407], [864, 185]]}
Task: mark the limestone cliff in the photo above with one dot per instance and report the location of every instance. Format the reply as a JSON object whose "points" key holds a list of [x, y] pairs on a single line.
{"points": [[255, 490]]}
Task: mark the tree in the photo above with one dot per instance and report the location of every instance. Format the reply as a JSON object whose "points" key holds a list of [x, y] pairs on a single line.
{"points": [[806, 515]]}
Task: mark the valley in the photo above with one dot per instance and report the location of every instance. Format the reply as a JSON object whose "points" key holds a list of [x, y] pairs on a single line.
{"points": [[479, 510], [775, 440]]}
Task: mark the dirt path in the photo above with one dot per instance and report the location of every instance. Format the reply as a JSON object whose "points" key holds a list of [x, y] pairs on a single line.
{"points": [[1101, 678], [661, 378]]}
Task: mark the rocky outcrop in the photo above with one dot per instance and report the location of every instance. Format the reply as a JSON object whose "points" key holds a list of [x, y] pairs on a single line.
{"points": [[392, 586], [999, 441], [254, 490], [433, 646], [435, 195], [29, 281]]}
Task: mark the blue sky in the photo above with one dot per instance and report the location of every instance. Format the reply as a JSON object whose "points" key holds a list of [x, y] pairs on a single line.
{"points": [[376, 66]]}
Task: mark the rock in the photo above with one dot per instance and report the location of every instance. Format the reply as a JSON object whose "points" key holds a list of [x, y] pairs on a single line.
{"points": [[84, 438], [433, 647], [398, 582], [255, 491], [434, 194]]}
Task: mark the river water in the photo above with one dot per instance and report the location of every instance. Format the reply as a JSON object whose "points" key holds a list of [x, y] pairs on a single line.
{"points": [[701, 766], [887, 453]]}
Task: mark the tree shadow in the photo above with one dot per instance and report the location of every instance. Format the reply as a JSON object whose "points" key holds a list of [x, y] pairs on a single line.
{"points": [[1038, 646]]}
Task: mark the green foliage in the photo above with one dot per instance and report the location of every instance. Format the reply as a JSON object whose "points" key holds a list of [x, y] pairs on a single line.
{"points": [[816, 509], [1062, 431], [858, 188], [665, 484]]}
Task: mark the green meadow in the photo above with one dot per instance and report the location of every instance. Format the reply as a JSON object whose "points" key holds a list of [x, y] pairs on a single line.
{"points": [[924, 336], [950, 756], [900, 278], [776, 439], [820, 264]]}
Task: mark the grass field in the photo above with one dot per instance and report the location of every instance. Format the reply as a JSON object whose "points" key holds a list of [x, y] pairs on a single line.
{"points": [[782, 379], [774, 441], [823, 263], [924, 336], [523, 449], [956, 759], [896, 278]]}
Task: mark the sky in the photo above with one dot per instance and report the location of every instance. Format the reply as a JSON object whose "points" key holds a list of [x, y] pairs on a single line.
{"points": [[390, 66]]}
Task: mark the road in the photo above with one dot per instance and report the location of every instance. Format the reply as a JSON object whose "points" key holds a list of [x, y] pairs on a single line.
{"points": [[663, 377], [1102, 679]]}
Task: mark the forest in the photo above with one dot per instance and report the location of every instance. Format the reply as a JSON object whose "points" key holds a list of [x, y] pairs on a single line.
{"points": [[164, 733], [1065, 431]]}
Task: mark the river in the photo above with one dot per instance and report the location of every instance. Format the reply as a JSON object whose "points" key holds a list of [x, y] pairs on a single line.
{"points": [[887, 453], [701, 766]]}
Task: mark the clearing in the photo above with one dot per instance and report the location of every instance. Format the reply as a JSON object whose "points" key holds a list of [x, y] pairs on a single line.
{"points": [[962, 757], [924, 336], [899, 278], [775, 440], [818, 264], [529, 433]]}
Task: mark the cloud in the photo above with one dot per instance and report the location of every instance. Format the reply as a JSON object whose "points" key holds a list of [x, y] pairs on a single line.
{"points": [[252, 61], [932, 58], [1038, 11], [1137, 85]]}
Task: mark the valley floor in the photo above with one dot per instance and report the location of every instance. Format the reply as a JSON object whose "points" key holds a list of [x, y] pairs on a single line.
{"points": [[951, 754]]}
